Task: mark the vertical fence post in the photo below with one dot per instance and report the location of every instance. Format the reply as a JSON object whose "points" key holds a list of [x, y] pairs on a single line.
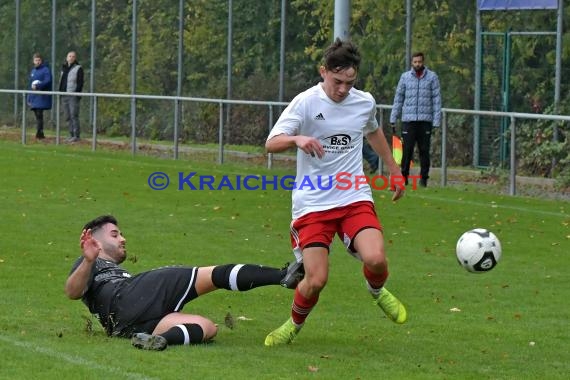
{"points": [[270, 122], [221, 135], [176, 119], [92, 63], [23, 118], [443, 148], [179, 76], [513, 171], [57, 132], [133, 125], [94, 122], [134, 28], [53, 51], [16, 60]]}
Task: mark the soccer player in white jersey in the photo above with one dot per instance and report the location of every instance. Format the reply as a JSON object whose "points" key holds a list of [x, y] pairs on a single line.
{"points": [[327, 124]]}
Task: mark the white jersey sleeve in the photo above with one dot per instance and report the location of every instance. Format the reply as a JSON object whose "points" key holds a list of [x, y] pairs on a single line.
{"points": [[291, 119]]}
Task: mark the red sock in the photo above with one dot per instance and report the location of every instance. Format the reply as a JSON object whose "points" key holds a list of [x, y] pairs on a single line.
{"points": [[376, 281], [302, 307]]}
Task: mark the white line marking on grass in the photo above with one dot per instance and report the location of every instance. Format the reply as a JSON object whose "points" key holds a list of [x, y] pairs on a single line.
{"points": [[73, 359], [495, 205]]}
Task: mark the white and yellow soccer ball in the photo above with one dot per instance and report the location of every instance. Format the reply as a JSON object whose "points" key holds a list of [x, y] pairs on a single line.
{"points": [[478, 250]]}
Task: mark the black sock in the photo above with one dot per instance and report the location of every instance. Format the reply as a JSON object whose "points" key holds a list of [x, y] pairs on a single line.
{"points": [[243, 277], [188, 333]]}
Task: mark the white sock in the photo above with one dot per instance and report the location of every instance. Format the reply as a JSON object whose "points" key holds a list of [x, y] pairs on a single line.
{"points": [[373, 291]]}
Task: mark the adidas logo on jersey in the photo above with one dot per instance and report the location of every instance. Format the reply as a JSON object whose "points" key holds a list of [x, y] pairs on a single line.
{"points": [[319, 116]]}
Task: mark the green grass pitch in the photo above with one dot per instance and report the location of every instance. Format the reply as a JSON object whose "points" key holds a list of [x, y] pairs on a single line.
{"points": [[510, 323]]}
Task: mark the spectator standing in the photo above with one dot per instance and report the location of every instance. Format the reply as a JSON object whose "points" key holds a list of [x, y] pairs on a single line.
{"points": [[418, 102], [72, 82], [40, 80]]}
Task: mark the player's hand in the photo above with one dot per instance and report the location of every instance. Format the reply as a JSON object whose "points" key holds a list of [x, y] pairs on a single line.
{"points": [[397, 184], [398, 193], [89, 246], [310, 145]]}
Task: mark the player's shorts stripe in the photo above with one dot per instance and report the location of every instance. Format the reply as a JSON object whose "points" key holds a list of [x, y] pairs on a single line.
{"points": [[294, 233], [190, 285]]}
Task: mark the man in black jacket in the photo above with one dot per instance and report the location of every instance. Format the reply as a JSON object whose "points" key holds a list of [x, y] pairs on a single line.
{"points": [[71, 81]]}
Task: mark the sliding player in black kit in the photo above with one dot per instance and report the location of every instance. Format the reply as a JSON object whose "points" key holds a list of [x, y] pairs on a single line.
{"points": [[147, 307]]}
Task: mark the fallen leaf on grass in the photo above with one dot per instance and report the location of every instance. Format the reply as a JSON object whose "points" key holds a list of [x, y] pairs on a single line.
{"points": [[229, 321]]}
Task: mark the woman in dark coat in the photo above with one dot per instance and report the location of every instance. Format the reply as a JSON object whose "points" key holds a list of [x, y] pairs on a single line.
{"points": [[40, 80]]}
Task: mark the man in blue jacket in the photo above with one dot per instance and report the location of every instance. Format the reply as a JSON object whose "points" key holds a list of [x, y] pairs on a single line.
{"points": [[418, 103], [40, 80]]}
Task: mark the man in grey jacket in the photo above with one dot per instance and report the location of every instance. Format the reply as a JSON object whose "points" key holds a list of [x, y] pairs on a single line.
{"points": [[71, 81], [418, 103]]}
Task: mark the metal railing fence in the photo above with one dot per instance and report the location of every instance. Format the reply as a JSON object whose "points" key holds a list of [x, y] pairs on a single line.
{"points": [[273, 108]]}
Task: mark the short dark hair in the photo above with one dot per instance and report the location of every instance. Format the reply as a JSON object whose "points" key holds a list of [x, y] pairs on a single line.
{"points": [[99, 222], [38, 55], [341, 55], [418, 54]]}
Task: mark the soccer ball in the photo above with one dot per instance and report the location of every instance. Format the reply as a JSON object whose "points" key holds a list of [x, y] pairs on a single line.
{"points": [[478, 250]]}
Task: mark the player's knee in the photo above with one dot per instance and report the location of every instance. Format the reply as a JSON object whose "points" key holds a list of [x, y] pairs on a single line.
{"points": [[209, 329], [377, 263], [316, 282]]}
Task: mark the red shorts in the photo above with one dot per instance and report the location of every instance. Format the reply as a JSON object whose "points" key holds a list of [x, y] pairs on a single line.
{"points": [[318, 228]]}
